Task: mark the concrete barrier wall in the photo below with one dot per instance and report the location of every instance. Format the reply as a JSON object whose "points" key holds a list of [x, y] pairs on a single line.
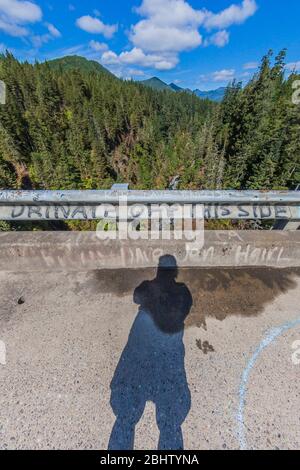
{"points": [[82, 251]]}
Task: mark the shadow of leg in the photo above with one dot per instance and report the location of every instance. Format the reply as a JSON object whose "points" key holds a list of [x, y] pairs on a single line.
{"points": [[122, 435], [123, 432], [170, 437], [173, 403]]}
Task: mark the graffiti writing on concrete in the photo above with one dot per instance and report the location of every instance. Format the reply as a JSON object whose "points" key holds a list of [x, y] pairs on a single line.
{"points": [[118, 255], [240, 255]]}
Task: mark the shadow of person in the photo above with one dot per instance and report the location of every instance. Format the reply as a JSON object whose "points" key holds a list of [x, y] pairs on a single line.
{"points": [[151, 367]]}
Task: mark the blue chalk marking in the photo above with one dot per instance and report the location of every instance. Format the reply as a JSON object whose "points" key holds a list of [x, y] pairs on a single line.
{"points": [[271, 336]]}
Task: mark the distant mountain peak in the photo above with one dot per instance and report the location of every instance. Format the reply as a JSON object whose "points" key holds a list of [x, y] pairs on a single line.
{"points": [[157, 84], [175, 87], [213, 95]]}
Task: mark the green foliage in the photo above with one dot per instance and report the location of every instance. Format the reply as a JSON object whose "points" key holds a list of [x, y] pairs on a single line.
{"points": [[68, 63], [259, 131], [69, 123]]}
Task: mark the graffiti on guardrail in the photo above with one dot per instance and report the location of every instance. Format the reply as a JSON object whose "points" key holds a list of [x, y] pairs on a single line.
{"points": [[106, 211]]}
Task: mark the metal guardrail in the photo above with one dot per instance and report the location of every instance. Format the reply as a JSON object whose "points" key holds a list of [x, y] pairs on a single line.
{"points": [[94, 205]]}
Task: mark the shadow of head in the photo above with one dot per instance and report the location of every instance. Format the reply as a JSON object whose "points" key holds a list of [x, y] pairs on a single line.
{"points": [[167, 270], [167, 301]]}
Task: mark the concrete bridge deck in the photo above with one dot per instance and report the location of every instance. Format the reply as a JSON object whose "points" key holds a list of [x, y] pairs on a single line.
{"points": [[78, 353]]}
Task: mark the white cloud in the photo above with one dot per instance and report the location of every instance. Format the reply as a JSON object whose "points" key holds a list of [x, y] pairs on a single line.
{"points": [[169, 27], [135, 73], [293, 66], [98, 46], [171, 12], [156, 38], [20, 11], [223, 75], [53, 30], [219, 39], [137, 57], [40, 39], [235, 14], [251, 65], [245, 75], [110, 58], [12, 29], [14, 14], [95, 26]]}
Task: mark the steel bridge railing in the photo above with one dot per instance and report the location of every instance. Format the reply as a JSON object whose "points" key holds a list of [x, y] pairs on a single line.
{"points": [[283, 206]]}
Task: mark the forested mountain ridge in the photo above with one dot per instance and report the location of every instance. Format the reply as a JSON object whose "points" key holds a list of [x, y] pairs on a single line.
{"points": [[85, 129], [157, 84], [77, 62]]}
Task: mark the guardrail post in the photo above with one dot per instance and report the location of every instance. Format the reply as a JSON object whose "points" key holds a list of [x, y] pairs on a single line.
{"points": [[120, 187]]}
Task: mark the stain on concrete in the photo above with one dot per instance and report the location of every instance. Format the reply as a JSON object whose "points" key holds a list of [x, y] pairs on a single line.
{"points": [[219, 293], [216, 292], [21, 301], [204, 346]]}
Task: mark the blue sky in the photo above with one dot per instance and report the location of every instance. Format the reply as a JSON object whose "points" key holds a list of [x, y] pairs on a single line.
{"points": [[194, 43]]}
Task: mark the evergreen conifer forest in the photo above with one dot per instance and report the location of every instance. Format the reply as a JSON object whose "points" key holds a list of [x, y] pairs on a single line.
{"points": [[71, 124]]}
